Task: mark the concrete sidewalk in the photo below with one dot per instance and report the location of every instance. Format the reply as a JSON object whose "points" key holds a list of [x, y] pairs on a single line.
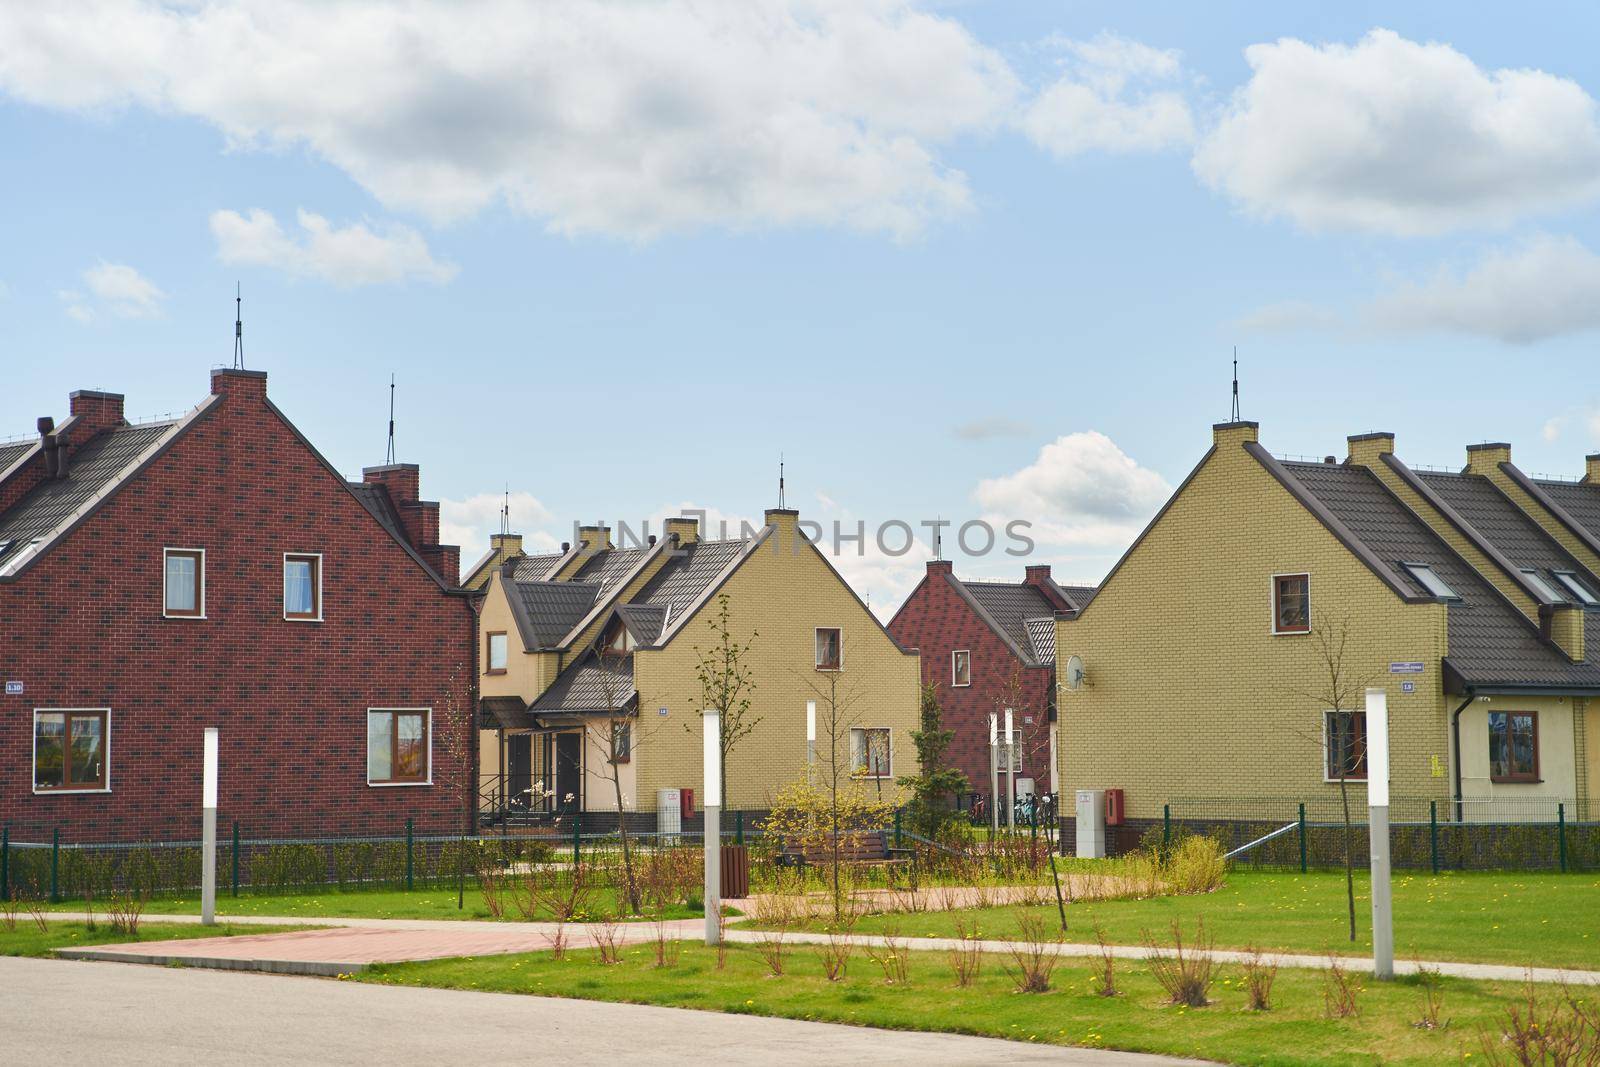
{"points": [[351, 945]]}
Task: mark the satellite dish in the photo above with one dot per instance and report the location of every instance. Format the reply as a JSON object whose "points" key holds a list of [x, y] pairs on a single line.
{"points": [[1075, 673]]}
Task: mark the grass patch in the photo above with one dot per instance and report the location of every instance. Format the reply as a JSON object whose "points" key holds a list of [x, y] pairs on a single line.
{"points": [[1296, 1030], [1552, 920], [28, 940], [357, 904]]}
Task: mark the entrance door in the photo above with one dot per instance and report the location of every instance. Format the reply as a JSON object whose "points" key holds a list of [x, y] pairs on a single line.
{"points": [[519, 771], [569, 773]]}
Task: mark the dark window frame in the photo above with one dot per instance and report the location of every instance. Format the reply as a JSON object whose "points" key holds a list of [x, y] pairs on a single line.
{"points": [[1513, 776], [199, 557], [1278, 581], [837, 662], [1358, 743], [395, 714], [102, 784], [315, 559]]}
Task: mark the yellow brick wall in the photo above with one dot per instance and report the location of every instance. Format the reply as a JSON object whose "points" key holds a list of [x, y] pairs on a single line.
{"points": [[1190, 694], [783, 596]]}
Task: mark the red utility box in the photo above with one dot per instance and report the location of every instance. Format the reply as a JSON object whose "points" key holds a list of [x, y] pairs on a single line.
{"points": [[686, 799], [1114, 807]]}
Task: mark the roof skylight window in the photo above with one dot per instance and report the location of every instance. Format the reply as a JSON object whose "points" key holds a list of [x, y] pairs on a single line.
{"points": [[1430, 581], [1579, 590], [1546, 590]]}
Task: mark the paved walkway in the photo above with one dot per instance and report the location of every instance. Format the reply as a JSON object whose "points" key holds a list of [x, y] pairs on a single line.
{"points": [[354, 944], [183, 1016]]}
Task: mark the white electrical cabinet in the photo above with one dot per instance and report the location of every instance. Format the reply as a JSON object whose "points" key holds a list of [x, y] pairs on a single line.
{"points": [[669, 812], [1091, 824]]}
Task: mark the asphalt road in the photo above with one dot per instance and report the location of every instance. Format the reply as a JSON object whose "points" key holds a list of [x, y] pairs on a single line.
{"points": [[130, 1014]]}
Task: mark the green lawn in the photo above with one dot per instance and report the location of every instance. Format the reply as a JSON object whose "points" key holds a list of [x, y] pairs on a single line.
{"points": [[358, 904], [1295, 1031], [28, 940], [1548, 919]]}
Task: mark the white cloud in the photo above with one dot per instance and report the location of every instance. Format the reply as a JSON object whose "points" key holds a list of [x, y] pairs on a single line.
{"points": [[348, 256], [1553, 427], [1289, 316], [1104, 101], [612, 117], [5, 291], [470, 521], [990, 428], [1393, 136], [1545, 287], [1081, 491], [113, 289]]}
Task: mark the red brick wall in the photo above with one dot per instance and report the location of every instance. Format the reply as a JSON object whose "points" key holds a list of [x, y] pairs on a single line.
{"points": [[84, 628], [938, 621]]}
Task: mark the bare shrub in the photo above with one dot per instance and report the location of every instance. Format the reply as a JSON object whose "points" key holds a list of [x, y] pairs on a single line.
{"points": [[8, 912], [37, 913], [1104, 972], [558, 942], [606, 934], [125, 907], [966, 959], [770, 944], [835, 955], [893, 957], [492, 884], [1259, 974], [1196, 866], [1339, 991], [722, 938], [565, 899], [1034, 953], [1184, 973], [1430, 983], [667, 948], [1563, 1031]]}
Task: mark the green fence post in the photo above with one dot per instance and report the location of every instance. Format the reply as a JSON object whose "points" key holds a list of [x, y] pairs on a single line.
{"points": [[1561, 835], [5, 863], [577, 831], [1302, 837], [1433, 834], [1166, 828], [55, 865], [410, 854], [236, 857], [738, 828], [897, 814]]}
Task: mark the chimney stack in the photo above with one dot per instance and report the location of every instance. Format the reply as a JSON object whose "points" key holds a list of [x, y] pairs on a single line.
{"points": [[51, 445], [1591, 468], [1235, 434], [1487, 457], [96, 410], [685, 529], [1365, 448]]}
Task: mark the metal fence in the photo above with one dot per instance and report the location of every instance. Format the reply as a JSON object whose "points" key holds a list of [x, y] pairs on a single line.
{"points": [[1500, 833]]}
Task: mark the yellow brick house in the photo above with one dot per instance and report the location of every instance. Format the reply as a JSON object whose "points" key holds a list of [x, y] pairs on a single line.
{"points": [[597, 634], [1470, 596]]}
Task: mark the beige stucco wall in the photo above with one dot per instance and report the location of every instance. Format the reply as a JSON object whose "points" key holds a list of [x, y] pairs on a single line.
{"points": [[1558, 769], [1189, 694], [599, 794], [527, 674], [782, 595]]}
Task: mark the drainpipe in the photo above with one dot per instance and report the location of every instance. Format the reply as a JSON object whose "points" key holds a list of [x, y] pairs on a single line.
{"points": [[1455, 743]]}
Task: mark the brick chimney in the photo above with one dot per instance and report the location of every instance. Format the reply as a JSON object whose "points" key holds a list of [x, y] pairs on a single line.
{"points": [[1365, 448], [232, 382], [1038, 576], [418, 518], [940, 566], [1234, 434], [592, 539], [1591, 468], [95, 410], [1487, 457], [685, 528]]}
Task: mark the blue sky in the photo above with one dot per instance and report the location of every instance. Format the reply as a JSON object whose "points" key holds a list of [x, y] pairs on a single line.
{"points": [[961, 260]]}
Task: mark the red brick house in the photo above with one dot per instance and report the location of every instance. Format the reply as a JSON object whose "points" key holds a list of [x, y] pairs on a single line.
{"points": [[215, 570], [989, 646]]}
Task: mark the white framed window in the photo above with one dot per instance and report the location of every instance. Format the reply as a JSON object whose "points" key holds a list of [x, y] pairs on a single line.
{"points": [[302, 586], [1291, 603], [1580, 591], [830, 648], [183, 583], [497, 652], [960, 668], [871, 752], [72, 750], [399, 746]]}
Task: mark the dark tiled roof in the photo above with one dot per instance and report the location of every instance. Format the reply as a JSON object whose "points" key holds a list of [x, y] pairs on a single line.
{"points": [[1491, 642], [92, 468], [375, 498], [1500, 521], [534, 568], [1010, 605], [1042, 639], [9, 454], [590, 684], [552, 609], [687, 574], [503, 713], [644, 621], [610, 566], [1581, 500], [1078, 594]]}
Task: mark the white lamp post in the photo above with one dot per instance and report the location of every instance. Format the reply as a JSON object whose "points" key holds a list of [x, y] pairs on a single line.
{"points": [[713, 834], [994, 773], [1378, 831], [811, 739], [208, 852], [1011, 777]]}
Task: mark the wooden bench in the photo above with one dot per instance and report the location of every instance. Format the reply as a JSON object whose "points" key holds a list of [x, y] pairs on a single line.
{"points": [[858, 850]]}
